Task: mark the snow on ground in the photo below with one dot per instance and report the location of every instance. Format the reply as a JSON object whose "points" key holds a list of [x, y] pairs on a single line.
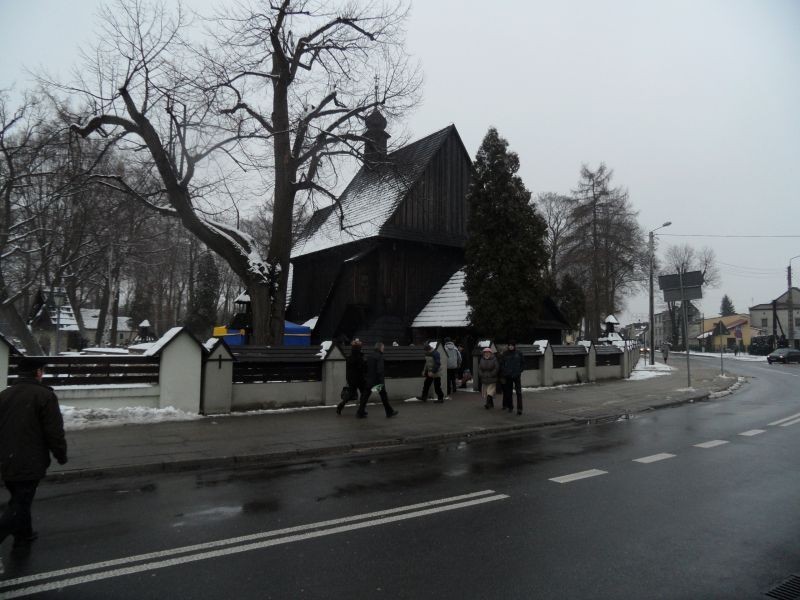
{"points": [[86, 418], [643, 370], [728, 356]]}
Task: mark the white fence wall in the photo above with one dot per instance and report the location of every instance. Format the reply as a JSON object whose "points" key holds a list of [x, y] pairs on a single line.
{"points": [[195, 379]]}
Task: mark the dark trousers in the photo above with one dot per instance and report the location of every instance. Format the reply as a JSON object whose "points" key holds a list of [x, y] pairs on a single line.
{"points": [[437, 386], [384, 398], [16, 519], [355, 392], [452, 375], [508, 391]]}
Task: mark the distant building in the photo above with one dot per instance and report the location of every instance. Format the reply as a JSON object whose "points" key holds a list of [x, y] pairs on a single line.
{"points": [[91, 316], [761, 316], [52, 319], [739, 333]]}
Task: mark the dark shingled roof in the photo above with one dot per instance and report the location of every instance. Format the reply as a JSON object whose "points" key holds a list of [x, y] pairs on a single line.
{"points": [[371, 198]]}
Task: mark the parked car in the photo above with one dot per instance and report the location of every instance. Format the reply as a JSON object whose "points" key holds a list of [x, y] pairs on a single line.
{"points": [[784, 355]]}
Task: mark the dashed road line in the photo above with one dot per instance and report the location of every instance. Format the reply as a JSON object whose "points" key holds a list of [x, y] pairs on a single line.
{"points": [[711, 444], [653, 458], [783, 420], [752, 432], [580, 475], [795, 422]]}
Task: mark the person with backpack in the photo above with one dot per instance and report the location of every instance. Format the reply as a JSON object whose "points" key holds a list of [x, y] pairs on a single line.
{"points": [[453, 365]]}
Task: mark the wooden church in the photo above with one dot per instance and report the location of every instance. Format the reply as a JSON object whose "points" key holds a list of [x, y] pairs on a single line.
{"points": [[369, 265]]}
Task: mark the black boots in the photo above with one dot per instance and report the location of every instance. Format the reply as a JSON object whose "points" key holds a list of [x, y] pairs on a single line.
{"points": [[489, 403]]}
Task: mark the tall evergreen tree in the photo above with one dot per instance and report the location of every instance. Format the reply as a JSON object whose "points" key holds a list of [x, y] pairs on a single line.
{"points": [[727, 309], [506, 254], [202, 312]]}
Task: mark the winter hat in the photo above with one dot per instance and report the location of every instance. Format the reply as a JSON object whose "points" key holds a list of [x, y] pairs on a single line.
{"points": [[31, 364], [489, 350]]}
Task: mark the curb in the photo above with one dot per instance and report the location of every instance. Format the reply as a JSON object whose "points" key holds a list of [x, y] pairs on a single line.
{"points": [[384, 445]]}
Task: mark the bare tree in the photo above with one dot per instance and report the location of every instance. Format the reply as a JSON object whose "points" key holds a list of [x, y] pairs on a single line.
{"points": [[302, 71], [682, 259], [556, 210]]}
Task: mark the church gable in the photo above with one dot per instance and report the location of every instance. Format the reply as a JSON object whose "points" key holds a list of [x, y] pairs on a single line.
{"points": [[373, 196]]}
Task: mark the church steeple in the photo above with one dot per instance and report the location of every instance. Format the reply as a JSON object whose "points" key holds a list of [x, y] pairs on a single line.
{"points": [[376, 136]]}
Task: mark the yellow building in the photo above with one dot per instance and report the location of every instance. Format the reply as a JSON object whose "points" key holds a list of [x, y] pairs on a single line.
{"points": [[739, 333]]}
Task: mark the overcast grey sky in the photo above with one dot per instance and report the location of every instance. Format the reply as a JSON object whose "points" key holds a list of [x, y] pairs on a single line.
{"points": [[692, 103]]}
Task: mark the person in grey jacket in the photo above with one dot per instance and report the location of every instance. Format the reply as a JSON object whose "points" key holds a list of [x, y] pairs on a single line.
{"points": [[31, 429], [511, 367], [453, 365], [375, 383], [488, 371]]}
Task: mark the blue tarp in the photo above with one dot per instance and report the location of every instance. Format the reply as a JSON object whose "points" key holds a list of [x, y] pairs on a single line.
{"points": [[296, 335]]}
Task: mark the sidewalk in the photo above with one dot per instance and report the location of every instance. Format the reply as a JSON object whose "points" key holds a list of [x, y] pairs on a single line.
{"points": [[227, 441]]}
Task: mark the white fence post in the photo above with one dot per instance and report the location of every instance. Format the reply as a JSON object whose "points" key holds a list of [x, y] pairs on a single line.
{"points": [[547, 366], [591, 364], [6, 349], [334, 376], [217, 379], [181, 370]]}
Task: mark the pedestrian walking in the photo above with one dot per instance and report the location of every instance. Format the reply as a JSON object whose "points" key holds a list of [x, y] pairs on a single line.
{"points": [[432, 373], [665, 351], [31, 428], [355, 373], [488, 371], [453, 365], [375, 383], [511, 367]]}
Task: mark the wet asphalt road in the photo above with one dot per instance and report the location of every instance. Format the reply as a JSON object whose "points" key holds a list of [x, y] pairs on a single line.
{"points": [[708, 522]]}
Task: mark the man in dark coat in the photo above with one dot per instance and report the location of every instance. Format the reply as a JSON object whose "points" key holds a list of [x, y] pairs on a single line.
{"points": [[432, 373], [511, 371], [376, 383], [31, 428], [355, 374]]}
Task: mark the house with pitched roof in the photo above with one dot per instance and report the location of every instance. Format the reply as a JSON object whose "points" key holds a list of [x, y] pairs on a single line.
{"points": [[367, 265]]}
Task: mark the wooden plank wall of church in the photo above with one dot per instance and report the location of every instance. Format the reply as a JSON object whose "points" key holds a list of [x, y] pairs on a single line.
{"points": [[435, 209], [313, 277], [411, 273]]}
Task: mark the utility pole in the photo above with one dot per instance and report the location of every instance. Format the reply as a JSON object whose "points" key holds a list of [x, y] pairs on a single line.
{"points": [[651, 327], [790, 302]]}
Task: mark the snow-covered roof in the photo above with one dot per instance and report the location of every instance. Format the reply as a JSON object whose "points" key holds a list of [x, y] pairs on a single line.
{"points": [[91, 316], [163, 341], [371, 198], [311, 323], [612, 319], [448, 308]]}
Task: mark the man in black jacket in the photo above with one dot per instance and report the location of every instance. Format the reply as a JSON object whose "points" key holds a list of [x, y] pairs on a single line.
{"points": [[511, 367], [375, 383], [356, 383], [31, 427]]}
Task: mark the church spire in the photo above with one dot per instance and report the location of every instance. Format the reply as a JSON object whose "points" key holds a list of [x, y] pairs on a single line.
{"points": [[376, 136]]}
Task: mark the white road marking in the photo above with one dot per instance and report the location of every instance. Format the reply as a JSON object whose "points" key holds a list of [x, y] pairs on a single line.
{"points": [[577, 476], [752, 432], [783, 420], [795, 422], [653, 458], [711, 444], [245, 538]]}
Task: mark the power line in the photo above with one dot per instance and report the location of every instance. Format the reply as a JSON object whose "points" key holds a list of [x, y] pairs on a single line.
{"points": [[712, 235]]}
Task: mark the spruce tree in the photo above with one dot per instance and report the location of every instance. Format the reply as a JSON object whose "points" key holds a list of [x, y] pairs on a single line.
{"points": [[727, 309], [202, 311], [505, 252]]}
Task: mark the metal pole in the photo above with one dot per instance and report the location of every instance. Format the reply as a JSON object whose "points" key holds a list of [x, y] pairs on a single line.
{"points": [[652, 318], [685, 332], [721, 346], [790, 305], [58, 327]]}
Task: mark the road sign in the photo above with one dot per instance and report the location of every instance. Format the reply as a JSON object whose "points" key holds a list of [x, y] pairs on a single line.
{"points": [[671, 285]]}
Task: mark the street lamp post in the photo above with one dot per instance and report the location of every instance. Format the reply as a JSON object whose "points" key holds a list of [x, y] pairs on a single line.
{"points": [[790, 303], [652, 248], [58, 301]]}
